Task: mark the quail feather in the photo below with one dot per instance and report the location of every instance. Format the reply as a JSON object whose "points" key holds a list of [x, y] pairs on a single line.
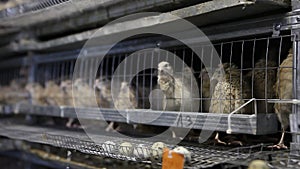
{"points": [[103, 93], [126, 99], [83, 93], [264, 80], [66, 92], [205, 89], [53, 94], [284, 90], [179, 90], [229, 93], [14, 93], [37, 94]]}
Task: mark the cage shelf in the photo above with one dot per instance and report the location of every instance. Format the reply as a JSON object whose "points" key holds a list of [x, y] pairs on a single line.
{"points": [[203, 7], [197, 14], [240, 123], [202, 156], [46, 160]]}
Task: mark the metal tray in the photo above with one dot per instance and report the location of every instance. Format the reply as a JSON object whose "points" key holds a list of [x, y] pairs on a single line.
{"points": [[203, 156], [240, 123]]}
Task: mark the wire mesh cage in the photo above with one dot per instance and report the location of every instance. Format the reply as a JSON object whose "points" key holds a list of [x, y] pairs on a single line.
{"points": [[136, 150], [245, 91], [15, 8], [247, 81], [13, 80], [146, 92], [10, 74]]}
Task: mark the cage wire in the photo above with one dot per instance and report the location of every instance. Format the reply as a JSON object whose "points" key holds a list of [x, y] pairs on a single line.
{"points": [[255, 60], [253, 66], [251, 57]]}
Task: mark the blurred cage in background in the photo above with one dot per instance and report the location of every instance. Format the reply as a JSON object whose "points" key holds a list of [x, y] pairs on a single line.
{"points": [[20, 7], [9, 74], [56, 71]]}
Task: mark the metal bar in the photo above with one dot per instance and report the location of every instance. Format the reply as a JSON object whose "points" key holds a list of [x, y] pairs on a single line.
{"points": [[230, 73], [124, 47], [240, 123], [79, 38], [108, 10], [291, 101], [62, 71], [203, 156], [32, 68], [266, 76], [253, 65], [294, 118], [229, 130]]}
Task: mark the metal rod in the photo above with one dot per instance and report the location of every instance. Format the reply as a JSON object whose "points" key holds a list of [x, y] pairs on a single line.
{"points": [[291, 101], [229, 130]]}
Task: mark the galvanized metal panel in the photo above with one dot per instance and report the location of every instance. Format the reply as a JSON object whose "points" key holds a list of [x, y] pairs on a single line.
{"points": [[295, 116], [250, 124], [198, 14], [203, 155]]}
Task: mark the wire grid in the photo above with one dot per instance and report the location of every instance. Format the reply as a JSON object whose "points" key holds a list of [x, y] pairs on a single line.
{"points": [[9, 74], [32, 6], [242, 53], [202, 157], [88, 147], [55, 71], [274, 158]]}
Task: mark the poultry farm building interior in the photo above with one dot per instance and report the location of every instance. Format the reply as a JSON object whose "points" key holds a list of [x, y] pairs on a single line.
{"points": [[171, 84]]}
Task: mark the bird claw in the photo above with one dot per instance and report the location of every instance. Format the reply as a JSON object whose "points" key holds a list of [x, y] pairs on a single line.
{"points": [[235, 143], [278, 146], [108, 129], [69, 125], [219, 142], [174, 136], [180, 138], [78, 126]]}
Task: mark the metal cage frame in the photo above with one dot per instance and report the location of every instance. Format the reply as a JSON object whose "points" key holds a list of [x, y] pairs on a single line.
{"points": [[272, 25]]}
